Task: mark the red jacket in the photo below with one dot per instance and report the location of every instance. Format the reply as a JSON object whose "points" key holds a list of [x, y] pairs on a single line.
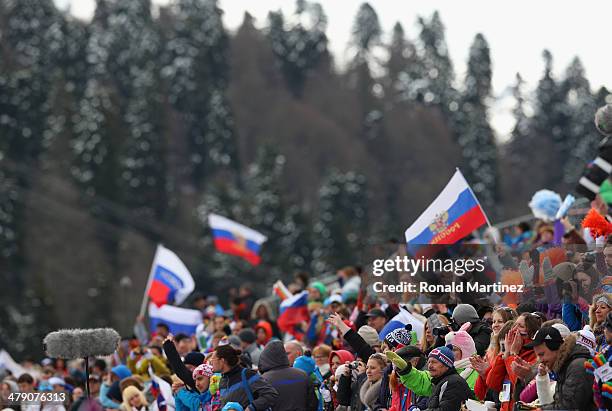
{"points": [[502, 370]]}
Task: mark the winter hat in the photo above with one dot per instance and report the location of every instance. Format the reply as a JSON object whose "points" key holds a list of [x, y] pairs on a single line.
{"points": [[399, 336], [463, 341], [586, 338], [562, 329], [130, 392], [444, 355], [232, 406], [194, 358], [465, 313], [564, 271], [247, 336], [603, 120], [121, 371], [235, 341], [56, 381], [305, 363], [343, 355], [202, 370], [320, 287], [369, 334]]}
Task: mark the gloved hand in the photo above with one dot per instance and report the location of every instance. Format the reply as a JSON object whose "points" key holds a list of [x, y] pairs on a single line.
{"points": [[213, 385], [399, 363]]}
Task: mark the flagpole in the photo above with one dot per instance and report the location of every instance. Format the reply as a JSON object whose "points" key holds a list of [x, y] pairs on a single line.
{"points": [[145, 297], [477, 202]]}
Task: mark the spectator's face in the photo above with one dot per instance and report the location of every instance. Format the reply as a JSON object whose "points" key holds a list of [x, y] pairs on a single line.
{"points": [[94, 386], [135, 401], [546, 236], [435, 367], [162, 331], [156, 351], [262, 312], [545, 355], [5, 390], [219, 323], [520, 325], [377, 323], [292, 353], [58, 388], [199, 304], [335, 363], [457, 353], [183, 346], [584, 281], [314, 294], [77, 393], [608, 256], [320, 359], [25, 387], [428, 335], [374, 370], [261, 336], [601, 310], [202, 383], [216, 362], [498, 323]]}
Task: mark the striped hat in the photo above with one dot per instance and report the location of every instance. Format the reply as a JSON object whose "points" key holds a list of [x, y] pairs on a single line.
{"points": [[444, 355]]}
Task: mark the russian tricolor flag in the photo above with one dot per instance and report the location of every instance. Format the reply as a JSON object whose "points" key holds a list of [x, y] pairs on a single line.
{"points": [[179, 320], [170, 282], [236, 239], [293, 311], [281, 291], [399, 321], [454, 214]]}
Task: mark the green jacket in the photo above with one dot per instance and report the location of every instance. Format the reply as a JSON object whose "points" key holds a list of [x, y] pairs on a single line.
{"points": [[420, 381]]}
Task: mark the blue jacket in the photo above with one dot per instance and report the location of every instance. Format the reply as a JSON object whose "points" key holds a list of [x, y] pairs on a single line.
{"points": [[191, 401]]}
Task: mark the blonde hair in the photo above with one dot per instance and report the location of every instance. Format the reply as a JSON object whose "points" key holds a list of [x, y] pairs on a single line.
{"points": [[128, 393], [424, 346]]}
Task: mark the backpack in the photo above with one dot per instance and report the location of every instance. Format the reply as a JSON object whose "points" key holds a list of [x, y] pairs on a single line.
{"points": [[247, 389]]}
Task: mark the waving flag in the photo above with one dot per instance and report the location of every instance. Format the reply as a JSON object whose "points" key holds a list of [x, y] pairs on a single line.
{"points": [[293, 311], [178, 320], [236, 239], [454, 214], [170, 282], [281, 290], [399, 321], [161, 391]]}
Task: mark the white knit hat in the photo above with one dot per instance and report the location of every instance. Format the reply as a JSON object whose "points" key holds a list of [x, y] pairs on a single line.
{"points": [[563, 330], [586, 338]]}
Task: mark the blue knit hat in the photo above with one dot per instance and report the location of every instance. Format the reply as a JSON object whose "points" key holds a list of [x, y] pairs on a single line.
{"points": [[305, 363], [444, 355], [231, 406]]}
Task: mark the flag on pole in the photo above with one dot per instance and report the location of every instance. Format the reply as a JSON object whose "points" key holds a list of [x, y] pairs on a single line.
{"points": [[293, 311], [281, 290], [236, 239], [170, 281], [454, 214], [178, 320]]}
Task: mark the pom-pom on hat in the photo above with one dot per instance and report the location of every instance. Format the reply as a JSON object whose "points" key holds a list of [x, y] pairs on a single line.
{"points": [[399, 337]]}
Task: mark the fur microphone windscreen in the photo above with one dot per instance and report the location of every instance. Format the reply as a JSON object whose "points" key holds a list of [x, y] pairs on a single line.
{"points": [[603, 120], [81, 343]]}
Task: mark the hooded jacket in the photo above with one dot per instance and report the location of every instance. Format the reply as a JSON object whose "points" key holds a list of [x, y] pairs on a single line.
{"points": [[574, 390], [232, 390], [481, 334], [296, 391]]}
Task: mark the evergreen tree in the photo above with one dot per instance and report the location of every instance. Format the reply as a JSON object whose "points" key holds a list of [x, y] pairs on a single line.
{"points": [[404, 68], [366, 31], [437, 66], [580, 137], [342, 221], [476, 135], [197, 72], [299, 46]]}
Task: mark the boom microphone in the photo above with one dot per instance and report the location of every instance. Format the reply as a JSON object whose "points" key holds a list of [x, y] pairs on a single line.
{"points": [[81, 343], [603, 120]]}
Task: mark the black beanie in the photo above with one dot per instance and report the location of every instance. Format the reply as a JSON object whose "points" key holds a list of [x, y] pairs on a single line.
{"points": [[194, 358], [247, 336]]}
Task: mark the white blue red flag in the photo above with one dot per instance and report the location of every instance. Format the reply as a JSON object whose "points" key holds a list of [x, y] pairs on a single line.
{"points": [[399, 321], [236, 239], [161, 391], [454, 214], [179, 320], [293, 311], [170, 281]]}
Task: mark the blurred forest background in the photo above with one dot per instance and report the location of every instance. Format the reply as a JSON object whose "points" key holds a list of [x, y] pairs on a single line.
{"points": [[125, 131]]}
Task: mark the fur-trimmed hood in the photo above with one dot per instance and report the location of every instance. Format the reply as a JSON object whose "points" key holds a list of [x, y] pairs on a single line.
{"points": [[568, 352], [266, 302], [597, 328]]}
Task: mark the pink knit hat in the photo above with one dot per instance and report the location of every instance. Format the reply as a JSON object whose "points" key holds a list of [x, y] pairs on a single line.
{"points": [[462, 340], [204, 370]]}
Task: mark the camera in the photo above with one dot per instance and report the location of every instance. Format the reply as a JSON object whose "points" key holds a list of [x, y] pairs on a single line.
{"points": [[353, 365], [440, 331]]}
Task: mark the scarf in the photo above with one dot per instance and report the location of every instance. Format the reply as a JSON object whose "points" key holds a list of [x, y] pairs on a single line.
{"points": [[368, 393], [464, 368]]}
